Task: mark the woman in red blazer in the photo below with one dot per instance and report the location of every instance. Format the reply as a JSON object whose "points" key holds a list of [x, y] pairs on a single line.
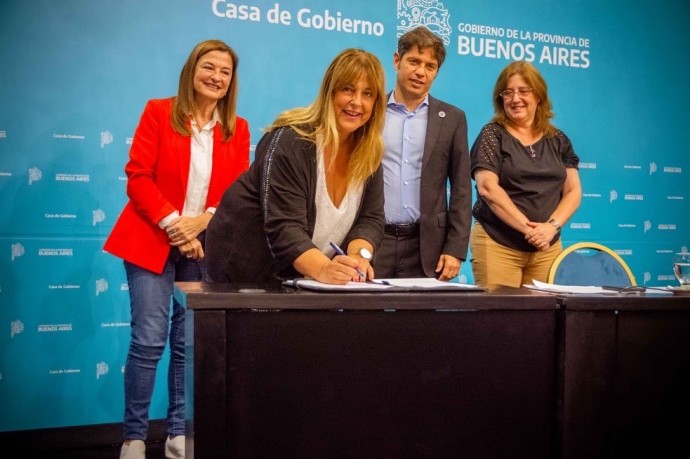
{"points": [[186, 151]]}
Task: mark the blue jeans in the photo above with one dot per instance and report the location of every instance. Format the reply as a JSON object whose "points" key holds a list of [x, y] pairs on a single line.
{"points": [[150, 301]]}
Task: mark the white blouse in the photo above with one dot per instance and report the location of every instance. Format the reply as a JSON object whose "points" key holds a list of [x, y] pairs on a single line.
{"points": [[333, 223]]}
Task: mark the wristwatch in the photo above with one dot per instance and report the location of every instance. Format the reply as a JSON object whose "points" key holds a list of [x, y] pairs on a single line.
{"points": [[364, 253], [555, 224]]}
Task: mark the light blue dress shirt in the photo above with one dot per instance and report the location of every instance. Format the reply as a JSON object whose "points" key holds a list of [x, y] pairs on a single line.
{"points": [[403, 138]]}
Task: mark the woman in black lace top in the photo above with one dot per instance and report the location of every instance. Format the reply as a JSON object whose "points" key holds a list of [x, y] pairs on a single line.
{"points": [[527, 183]]}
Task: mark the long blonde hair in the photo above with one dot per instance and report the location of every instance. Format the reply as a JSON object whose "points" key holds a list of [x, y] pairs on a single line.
{"points": [[184, 103], [317, 122], [542, 117]]}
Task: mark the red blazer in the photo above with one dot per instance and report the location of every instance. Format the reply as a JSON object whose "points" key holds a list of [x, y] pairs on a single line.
{"points": [[157, 173]]}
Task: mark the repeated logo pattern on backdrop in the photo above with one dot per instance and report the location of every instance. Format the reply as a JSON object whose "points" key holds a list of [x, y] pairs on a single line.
{"points": [[64, 141]]}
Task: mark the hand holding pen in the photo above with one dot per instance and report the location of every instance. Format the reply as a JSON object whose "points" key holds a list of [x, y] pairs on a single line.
{"points": [[339, 251]]}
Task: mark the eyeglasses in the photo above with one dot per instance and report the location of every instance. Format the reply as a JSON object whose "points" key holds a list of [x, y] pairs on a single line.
{"points": [[509, 93]]}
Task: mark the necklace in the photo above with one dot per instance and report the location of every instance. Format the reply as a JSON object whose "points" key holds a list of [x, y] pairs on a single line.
{"points": [[521, 137]]}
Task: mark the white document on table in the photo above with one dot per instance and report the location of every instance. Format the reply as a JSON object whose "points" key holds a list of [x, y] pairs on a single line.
{"points": [[406, 284], [556, 288]]}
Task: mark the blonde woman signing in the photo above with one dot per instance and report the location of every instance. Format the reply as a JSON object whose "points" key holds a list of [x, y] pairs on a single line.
{"points": [[316, 179]]}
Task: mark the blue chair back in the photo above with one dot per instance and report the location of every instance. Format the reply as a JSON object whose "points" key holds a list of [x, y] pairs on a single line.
{"points": [[589, 263]]}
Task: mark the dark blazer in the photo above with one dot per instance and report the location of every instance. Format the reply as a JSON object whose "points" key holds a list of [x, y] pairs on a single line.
{"points": [[266, 219], [445, 220]]}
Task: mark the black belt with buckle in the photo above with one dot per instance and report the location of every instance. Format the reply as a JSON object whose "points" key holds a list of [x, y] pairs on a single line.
{"points": [[407, 229]]}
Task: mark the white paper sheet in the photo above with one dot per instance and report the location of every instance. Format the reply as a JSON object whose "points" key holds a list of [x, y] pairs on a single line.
{"points": [[421, 283], [556, 288]]}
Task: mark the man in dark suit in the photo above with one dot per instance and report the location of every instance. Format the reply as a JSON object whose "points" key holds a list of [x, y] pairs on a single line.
{"points": [[428, 195]]}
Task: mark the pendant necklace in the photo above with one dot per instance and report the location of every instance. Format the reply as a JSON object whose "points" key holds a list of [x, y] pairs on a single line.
{"points": [[529, 148]]}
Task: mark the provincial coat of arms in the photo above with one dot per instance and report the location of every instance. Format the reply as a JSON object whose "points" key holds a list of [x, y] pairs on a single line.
{"points": [[429, 13]]}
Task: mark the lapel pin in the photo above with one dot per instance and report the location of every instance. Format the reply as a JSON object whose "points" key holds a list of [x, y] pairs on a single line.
{"points": [[442, 114]]}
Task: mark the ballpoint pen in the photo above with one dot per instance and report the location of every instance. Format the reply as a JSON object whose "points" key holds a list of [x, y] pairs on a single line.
{"points": [[632, 289], [339, 251]]}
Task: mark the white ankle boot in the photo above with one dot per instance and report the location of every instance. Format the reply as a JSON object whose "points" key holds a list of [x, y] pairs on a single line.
{"points": [[175, 447], [133, 449]]}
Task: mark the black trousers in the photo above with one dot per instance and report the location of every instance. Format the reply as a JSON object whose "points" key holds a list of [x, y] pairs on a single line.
{"points": [[398, 257]]}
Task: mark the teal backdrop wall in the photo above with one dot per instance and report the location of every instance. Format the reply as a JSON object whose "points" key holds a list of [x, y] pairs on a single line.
{"points": [[76, 75]]}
